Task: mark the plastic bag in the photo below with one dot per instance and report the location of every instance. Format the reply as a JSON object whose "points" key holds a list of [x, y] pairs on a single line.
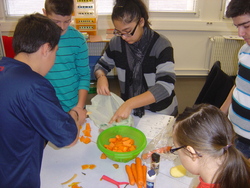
{"points": [[161, 144], [102, 109]]}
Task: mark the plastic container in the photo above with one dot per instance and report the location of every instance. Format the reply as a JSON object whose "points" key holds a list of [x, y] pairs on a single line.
{"points": [[125, 131], [155, 163], [151, 176]]}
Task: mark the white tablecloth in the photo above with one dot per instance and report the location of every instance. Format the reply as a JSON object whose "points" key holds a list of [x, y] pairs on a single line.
{"points": [[59, 165]]}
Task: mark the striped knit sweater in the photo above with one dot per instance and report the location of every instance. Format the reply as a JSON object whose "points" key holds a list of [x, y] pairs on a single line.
{"points": [[158, 70], [239, 111], [71, 70]]}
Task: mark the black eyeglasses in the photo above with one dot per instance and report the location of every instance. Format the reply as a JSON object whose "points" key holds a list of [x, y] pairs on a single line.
{"points": [[130, 34], [173, 150]]}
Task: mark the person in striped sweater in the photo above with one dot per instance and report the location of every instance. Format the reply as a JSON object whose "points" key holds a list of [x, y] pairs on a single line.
{"points": [[144, 62], [237, 104], [70, 75]]}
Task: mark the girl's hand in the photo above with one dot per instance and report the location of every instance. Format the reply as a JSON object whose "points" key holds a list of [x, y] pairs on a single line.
{"points": [[102, 86], [123, 112]]}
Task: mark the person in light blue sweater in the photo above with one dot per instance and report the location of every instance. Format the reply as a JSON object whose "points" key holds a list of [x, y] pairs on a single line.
{"points": [[70, 75], [237, 104]]}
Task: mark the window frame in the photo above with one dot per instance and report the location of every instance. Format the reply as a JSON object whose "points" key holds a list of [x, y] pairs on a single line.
{"points": [[167, 21], [3, 2]]}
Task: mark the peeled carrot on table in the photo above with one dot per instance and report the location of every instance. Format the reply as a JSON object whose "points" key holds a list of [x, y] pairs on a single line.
{"points": [[130, 175], [133, 168], [160, 150], [140, 177], [144, 170]]}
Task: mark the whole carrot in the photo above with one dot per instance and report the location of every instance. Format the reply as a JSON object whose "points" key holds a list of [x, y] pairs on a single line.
{"points": [[144, 170], [133, 168], [139, 171], [130, 175]]}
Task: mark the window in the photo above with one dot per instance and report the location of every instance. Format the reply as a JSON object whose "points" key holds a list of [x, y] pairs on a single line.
{"points": [[21, 7], [225, 8], [172, 6]]}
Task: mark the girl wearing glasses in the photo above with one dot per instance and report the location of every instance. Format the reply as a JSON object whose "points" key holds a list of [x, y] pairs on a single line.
{"points": [[143, 60], [204, 140]]}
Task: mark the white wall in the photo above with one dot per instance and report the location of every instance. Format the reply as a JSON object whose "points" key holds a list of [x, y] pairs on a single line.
{"points": [[189, 33]]}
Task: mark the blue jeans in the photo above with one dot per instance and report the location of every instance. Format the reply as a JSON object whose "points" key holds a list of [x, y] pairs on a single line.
{"points": [[243, 147]]}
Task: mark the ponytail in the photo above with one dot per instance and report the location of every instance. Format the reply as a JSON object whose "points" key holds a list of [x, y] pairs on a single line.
{"points": [[129, 11], [234, 171]]}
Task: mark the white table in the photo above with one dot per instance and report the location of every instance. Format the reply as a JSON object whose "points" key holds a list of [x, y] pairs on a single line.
{"points": [[59, 165]]}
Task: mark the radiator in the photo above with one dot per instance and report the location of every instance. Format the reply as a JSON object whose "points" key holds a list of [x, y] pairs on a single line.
{"points": [[96, 49], [225, 49]]}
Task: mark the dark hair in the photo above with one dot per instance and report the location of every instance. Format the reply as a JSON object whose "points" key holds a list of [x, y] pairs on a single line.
{"points": [[59, 7], [207, 129], [32, 31], [237, 8], [130, 10]]}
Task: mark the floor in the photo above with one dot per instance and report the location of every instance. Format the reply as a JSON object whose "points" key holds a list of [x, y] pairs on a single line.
{"points": [[187, 90]]}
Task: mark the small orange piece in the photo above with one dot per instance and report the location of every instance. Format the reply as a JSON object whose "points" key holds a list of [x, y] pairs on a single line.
{"points": [[92, 166], [85, 140], [81, 138], [112, 140], [103, 156], [74, 185], [88, 166], [86, 132], [87, 127], [116, 166], [84, 167]]}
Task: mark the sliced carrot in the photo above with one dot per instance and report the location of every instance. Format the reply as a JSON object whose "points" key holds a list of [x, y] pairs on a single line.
{"points": [[103, 156], [92, 166], [88, 166], [125, 138], [132, 148], [87, 133], [119, 137], [130, 175], [120, 144], [87, 127], [81, 138], [74, 185], [127, 143], [86, 140], [116, 166], [85, 166], [112, 140]]}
